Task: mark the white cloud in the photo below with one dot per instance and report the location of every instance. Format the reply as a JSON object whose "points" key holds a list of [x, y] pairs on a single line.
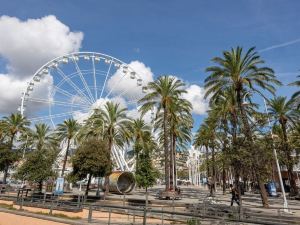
{"points": [[127, 85], [29, 44], [26, 46], [195, 94], [135, 114]]}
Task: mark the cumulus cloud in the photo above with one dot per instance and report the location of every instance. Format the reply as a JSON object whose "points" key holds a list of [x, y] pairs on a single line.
{"points": [[26, 46], [125, 85], [29, 44], [195, 94]]}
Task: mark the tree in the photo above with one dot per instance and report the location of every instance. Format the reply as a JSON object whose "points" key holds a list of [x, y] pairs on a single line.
{"points": [[92, 158], [163, 92], [296, 95], [12, 125], [282, 111], [145, 174], [139, 133], [38, 165], [67, 131], [243, 73]]}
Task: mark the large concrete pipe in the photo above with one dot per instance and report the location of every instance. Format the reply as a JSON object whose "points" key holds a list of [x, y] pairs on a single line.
{"points": [[121, 182]]}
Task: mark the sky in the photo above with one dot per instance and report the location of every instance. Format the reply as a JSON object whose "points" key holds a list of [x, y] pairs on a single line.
{"points": [[170, 37]]}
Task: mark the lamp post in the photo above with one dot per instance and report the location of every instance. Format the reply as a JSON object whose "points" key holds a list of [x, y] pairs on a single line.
{"points": [[285, 203]]}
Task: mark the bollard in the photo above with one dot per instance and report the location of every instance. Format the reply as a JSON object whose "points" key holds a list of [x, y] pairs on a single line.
{"points": [[109, 216], [90, 214]]}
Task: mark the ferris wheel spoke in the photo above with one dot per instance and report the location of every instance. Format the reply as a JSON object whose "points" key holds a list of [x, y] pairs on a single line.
{"points": [[50, 117], [54, 102], [107, 74], [95, 80], [84, 81], [111, 90], [64, 76], [68, 94]]}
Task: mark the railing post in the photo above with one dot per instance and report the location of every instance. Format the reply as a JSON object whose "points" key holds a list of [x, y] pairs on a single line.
{"points": [[51, 207], [162, 215], [90, 214], [21, 203], [45, 195], [109, 216]]}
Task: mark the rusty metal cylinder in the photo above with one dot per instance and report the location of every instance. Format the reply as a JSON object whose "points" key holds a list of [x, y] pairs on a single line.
{"points": [[120, 182]]}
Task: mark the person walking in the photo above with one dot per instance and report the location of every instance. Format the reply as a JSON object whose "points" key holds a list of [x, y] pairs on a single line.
{"points": [[234, 195]]}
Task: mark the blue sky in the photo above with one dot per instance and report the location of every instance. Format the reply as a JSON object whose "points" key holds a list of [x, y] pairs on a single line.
{"points": [[178, 37]]}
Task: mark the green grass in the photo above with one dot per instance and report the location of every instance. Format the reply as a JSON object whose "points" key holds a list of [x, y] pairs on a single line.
{"points": [[60, 215], [7, 206]]}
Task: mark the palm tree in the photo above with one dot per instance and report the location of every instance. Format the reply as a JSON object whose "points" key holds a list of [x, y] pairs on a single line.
{"points": [[139, 132], [45, 149], [67, 131], [13, 124], [282, 111], [243, 73], [42, 137], [163, 92], [114, 122], [296, 95]]}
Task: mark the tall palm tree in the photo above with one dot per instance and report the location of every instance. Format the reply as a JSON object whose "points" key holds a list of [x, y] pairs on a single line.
{"points": [[282, 111], [139, 132], [296, 95], [243, 73], [114, 123], [67, 131], [163, 92], [13, 124]]}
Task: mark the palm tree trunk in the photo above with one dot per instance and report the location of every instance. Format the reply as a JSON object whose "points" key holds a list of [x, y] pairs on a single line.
{"points": [[171, 163], [166, 151], [224, 177], [5, 175], [88, 186], [174, 163], [106, 181], [213, 189], [292, 179], [65, 158], [207, 162], [248, 134]]}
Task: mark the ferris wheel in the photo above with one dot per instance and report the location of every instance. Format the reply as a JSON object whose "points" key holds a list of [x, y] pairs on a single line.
{"points": [[72, 85]]}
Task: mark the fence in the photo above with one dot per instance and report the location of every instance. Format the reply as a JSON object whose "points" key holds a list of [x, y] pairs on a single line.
{"points": [[137, 213]]}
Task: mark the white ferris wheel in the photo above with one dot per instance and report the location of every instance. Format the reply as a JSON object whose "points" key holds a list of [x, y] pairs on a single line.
{"points": [[72, 85]]}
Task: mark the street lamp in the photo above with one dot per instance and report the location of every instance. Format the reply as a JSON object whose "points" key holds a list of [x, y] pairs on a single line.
{"points": [[285, 203]]}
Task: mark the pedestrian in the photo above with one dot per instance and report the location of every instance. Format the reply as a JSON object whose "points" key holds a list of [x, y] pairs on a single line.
{"points": [[234, 195]]}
